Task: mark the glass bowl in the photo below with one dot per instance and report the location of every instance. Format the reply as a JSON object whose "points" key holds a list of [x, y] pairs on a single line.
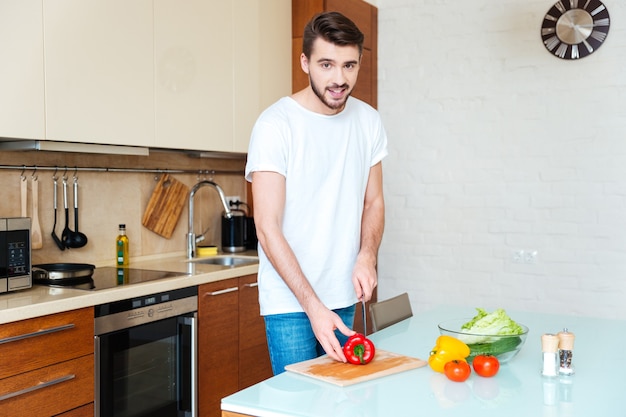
{"points": [[504, 347]]}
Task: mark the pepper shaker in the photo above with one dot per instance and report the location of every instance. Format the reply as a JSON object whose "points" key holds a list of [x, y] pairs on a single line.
{"points": [[566, 351], [550, 347]]}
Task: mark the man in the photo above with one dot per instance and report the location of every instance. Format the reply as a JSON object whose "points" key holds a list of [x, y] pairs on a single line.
{"points": [[315, 166]]}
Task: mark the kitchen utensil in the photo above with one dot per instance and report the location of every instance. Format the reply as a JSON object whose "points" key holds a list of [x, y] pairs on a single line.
{"points": [[23, 196], [36, 241], [165, 206], [364, 316], [250, 238], [62, 271], [55, 199], [233, 232], [343, 374], [66, 234], [78, 239], [504, 347]]}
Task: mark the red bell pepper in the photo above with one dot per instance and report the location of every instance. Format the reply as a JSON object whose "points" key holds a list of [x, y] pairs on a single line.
{"points": [[359, 350]]}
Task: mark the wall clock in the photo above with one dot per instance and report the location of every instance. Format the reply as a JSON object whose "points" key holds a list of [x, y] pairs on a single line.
{"points": [[574, 29]]}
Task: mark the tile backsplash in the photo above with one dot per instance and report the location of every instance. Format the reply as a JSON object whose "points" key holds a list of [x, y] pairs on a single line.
{"points": [[107, 199]]}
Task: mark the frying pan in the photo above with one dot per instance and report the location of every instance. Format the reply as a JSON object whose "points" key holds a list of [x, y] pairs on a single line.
{"points": [[61, 271]]}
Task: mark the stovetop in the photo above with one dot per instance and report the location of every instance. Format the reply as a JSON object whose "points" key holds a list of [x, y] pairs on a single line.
{"points": [[109, 277]]}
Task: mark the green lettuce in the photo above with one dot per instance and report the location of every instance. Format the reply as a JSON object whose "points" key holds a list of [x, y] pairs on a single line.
{"points": [[489, 324]]}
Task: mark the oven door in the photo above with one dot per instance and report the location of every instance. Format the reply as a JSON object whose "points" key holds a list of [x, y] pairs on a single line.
{"points": [[148, 370]]}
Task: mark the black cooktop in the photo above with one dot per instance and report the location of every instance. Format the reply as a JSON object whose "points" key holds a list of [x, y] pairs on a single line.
{"points": [[109, 277]]}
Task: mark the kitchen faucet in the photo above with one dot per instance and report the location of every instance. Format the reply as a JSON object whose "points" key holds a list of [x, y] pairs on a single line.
{"points": [[191, 236]]}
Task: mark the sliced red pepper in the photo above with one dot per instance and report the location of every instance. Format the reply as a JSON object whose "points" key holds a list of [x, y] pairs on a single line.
{"points": [[359, 350]]}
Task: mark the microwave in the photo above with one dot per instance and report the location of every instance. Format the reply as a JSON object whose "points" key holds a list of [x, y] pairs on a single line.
{"points": [[15, 259]]}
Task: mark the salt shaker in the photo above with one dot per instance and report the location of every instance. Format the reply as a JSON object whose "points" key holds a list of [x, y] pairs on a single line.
{"points": [[550, 347], [566, 350]]}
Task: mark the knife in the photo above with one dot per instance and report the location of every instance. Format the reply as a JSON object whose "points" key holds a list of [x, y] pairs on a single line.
{"points": [[364, 317]]}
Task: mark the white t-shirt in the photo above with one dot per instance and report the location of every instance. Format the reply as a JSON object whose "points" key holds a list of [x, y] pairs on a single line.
{"points": [[326, 162]]}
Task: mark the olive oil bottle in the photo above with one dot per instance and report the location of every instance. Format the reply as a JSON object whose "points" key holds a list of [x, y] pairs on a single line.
{"points": [[121, 247]]}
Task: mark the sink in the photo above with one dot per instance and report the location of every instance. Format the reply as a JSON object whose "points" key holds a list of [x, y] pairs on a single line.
{"points": [[231, 261]]}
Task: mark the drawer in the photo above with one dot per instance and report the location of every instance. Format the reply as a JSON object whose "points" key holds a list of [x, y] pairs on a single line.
{"points": [[49, 391], [34, 343]]}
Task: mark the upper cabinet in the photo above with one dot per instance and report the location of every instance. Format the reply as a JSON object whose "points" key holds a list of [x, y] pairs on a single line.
{"points": [[365, 16], [193, 50], [190, 75], [99, 71], [218, 65], [262, 61], [21, 71]]}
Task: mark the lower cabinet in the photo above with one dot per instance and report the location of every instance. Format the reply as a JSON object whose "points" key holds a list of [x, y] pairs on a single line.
{"points": [[254, 358], [47, 366], [218, 338], [84, 411], [232, 349]]}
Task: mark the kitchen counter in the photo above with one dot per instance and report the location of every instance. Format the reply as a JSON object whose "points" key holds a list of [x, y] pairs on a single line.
{"points": [[40, 300], [518, 389]]}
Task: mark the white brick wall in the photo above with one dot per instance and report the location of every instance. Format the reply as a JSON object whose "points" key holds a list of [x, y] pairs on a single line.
{"points": [[497, 146]]}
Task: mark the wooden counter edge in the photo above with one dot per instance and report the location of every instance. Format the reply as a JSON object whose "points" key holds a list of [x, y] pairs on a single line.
{"points": [[231, 414]]}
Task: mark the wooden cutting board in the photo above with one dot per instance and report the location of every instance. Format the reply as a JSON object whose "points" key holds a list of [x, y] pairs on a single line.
{"points": [[165, 205], [344, 374]]}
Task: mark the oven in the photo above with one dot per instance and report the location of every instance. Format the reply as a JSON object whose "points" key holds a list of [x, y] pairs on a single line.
{"points": [[146, 356]]}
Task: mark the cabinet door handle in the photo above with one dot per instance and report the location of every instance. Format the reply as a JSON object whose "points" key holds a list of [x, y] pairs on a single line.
{"points": [[37, 333], [251, 284], [37, 387], [224, 291]]}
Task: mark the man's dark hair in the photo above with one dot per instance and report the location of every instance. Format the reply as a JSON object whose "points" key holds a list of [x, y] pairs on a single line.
{"points": [[333, 27]]}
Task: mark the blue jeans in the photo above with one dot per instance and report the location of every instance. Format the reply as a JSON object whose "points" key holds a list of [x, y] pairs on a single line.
{"points": [[290, 338]]}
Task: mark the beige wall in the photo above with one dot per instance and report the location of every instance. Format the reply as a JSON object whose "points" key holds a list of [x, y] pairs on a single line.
{"points": [[107, 199]]}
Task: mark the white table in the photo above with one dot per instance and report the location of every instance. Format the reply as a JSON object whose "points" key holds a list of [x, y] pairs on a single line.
{"points": [[596, 389]]}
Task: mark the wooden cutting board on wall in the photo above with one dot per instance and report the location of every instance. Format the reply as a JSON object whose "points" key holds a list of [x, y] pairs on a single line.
{"points": [[165, 206], [344, 374]]}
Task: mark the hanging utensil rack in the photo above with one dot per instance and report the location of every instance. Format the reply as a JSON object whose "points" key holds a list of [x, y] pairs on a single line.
{"points": [[122, 170]]}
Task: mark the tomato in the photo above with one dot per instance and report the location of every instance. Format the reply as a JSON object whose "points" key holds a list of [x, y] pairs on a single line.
{"points": [[457, 370], [486, 365]]}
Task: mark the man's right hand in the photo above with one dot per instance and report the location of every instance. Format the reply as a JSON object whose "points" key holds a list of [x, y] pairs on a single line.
{"points": [[324, 323]]}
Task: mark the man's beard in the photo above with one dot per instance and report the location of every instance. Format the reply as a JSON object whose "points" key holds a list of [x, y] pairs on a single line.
{"points": [[333, 105]]}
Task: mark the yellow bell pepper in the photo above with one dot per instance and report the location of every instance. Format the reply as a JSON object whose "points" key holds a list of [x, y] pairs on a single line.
{"points": [[447, 348]]}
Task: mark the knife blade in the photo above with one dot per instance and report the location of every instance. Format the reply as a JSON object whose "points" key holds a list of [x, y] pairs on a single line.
{"points": [[364, 316]]}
